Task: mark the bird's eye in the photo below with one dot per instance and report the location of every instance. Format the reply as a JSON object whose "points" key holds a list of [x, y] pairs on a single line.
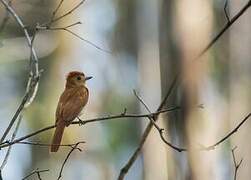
{"points": [[79, 78]]}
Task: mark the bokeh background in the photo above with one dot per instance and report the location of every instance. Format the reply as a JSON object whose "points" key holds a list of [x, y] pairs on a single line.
{"points": [[149, 42]]}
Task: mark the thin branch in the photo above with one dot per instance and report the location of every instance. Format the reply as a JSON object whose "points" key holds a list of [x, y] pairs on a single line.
{"points": [[73, 24], [12, 138], [226, 11], [67, 13], [236, 165], [67, 157], [160, 130], [48, 25], [83, 122], [147, 108], [20, 108], [56, 10], [136, 153], [211, 147], [37, 172], [46, 144], [32, 81], [225, 28], [76, 35]]}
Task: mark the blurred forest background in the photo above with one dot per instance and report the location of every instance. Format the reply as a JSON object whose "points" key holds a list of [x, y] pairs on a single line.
{"points": [[149, 43]]}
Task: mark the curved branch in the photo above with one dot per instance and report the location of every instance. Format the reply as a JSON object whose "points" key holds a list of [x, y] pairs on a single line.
{"points": [[226, 27], [83, 122], [211, 147], [75, 147], [33, 79]]}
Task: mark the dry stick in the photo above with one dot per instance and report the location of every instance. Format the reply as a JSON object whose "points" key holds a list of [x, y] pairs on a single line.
{"points": [[83, 122], [54, 14], [211, 147], [236, 165], [46, 144], [160, 130], [73, 24], [68, 13], [66, 28], [37, 171], [67, 157], [132, 159], [12, 138], [225, 11], [56, 10], [226, 27], [147, 108], [47, 26], [78, 36], [33, 81]]}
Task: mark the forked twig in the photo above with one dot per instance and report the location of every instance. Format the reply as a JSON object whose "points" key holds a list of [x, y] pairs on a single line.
{"points": [[136, 153], [67, 13], [37, 172], [67, 157], [160, 130], [236, 165]]}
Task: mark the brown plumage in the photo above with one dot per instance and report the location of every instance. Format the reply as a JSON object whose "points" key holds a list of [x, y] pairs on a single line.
{"points": [[71, 103]]}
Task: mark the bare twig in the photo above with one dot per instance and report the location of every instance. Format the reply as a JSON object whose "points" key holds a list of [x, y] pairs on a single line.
{"points": [[12, 138], [160, 130], [66, 28], [78, 36], [73, 24], [236, 165], [147, 108], [67, 13], [136, 153], [211, 147], [225, 28], [56, 10], [46, 144], [83, 122], [32, 84], [48, 25], [37, 172], [226, 11], [67, 157]]}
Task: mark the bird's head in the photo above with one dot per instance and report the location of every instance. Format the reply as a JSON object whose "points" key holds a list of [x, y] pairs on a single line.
{"points": [[76, 79]]}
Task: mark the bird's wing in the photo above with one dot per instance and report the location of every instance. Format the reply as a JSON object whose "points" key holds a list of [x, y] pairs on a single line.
{"points": [[71, 103]]}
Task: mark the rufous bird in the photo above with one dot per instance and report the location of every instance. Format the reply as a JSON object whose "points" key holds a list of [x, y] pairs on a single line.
{"points": [[71, 103]]}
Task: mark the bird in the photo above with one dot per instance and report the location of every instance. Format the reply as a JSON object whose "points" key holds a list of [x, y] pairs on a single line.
{"points": [[71, 102]]}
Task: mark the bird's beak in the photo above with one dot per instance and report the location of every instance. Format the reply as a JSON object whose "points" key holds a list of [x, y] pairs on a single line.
{"points": [[88, 77]]}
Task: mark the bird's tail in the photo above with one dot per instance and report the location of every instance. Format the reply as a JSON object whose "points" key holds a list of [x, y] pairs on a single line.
{"points": [[58, 134]]}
